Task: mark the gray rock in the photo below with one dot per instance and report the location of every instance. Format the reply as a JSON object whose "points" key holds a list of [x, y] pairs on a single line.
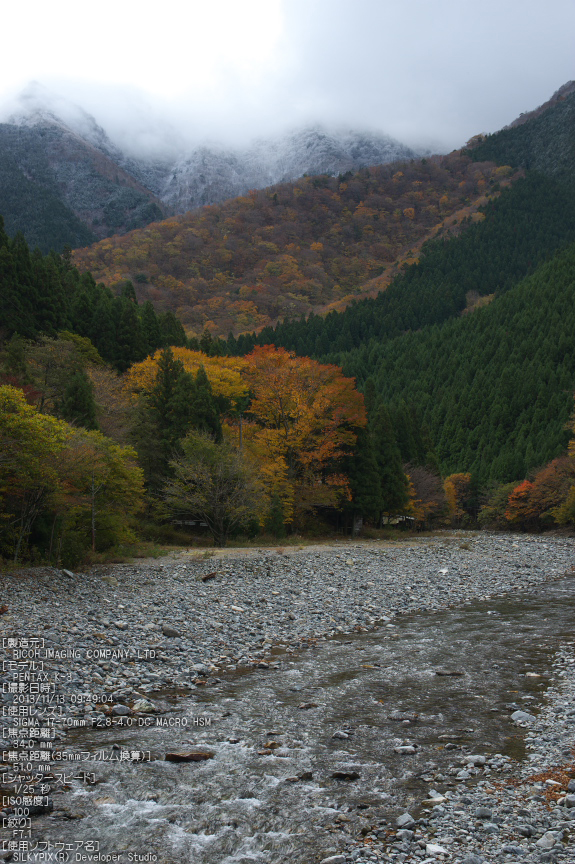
{"points": [[170, 632], [491, 828], [400, 716], [404, 834], [522, 717], [110, 580], [201, 668], [405, 749], [473, 859], [571, 786], [121, 710], [476, 760], [340, 734], [333, 859], [143, 706], [483, 813], [569, 799], [405, 820], [547, 841], [434, 849]]}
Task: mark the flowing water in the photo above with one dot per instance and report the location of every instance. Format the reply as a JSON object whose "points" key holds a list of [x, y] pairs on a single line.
{"points": [[244, 806]]}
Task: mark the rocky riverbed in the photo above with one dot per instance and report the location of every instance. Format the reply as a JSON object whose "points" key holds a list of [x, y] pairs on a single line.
{"points": [[499, 811], [129, 634]]}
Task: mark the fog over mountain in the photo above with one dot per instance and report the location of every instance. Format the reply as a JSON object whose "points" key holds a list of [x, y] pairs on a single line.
{"points": [[51, 146]]}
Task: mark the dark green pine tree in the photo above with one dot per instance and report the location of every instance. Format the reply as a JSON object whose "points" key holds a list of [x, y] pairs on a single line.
{"points": [[103, 328], [129, 292], [370, 396], [364, 477], [207, 343], [405, 435], [177, 403], [78, 406], [274, 523], [151, 432], [151, 328], [130, 342], [179, 412], [14, 365], [393, 481], [16, 313], [172, 331], [51, 310], [204, 412], [4, 239], [162, 393], [82, 307]]}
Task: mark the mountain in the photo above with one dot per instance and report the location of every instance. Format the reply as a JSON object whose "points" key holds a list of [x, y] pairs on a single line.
{"points": [[495, 387], [63, 181], [210, 174], [541, 140], [294, 248]]}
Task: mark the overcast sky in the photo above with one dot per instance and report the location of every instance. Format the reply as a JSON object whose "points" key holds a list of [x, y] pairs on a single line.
{"points": [[432, 72]]}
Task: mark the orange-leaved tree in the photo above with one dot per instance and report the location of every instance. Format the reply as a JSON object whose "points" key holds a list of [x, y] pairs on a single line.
{"points": [[543, 499], [519, 508], [457, 490], [551, 486], [303, 419]]}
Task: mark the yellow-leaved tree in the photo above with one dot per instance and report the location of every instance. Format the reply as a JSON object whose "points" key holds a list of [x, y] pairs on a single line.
{"points": [[83, 485], [29, 445], [224, 373]]}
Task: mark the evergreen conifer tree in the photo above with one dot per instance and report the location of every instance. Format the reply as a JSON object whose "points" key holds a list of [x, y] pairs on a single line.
{"points": [[364, 477], [393, 481], [78, 406]]}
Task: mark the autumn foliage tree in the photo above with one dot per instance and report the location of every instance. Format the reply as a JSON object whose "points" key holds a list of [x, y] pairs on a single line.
{"points": [[537, 502], [60, 484], [303, 420], [519, 510], [223, 373], [457, 488], [427, 500], [213, 482], [29, 445]]}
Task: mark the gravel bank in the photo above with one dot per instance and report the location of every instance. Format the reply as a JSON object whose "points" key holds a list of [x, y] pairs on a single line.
{"points": [[139, 628], [500, 811], [133, 630]]}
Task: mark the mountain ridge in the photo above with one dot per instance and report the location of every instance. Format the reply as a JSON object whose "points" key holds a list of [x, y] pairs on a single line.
{"points": [[61, 149]]}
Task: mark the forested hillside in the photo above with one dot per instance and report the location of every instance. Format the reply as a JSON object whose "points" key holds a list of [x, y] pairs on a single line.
{"points": [[293, 248], [495, 388], [465, 364], [524, 226], [545, 142], [42, 295]]}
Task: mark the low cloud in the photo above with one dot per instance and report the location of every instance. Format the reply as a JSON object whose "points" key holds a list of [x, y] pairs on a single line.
{"points": [[429, 74]]}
